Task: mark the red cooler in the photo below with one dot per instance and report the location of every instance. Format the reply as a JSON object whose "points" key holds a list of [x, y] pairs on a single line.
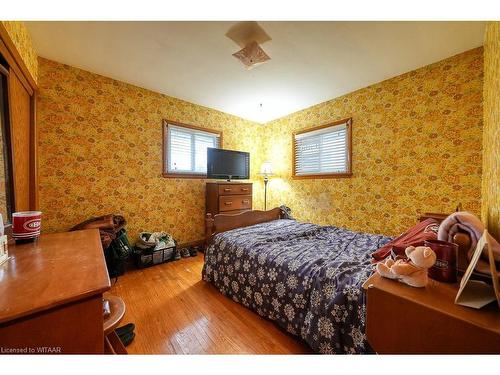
{"points": [[445, 268]]}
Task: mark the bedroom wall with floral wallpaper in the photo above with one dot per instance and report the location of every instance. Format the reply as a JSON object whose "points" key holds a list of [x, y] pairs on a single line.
{"points": [[100, 151], [417, 142], [491, 132], [22, 40]]}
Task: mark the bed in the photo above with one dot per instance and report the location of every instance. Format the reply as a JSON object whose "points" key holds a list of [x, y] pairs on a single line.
{"points": [[305, 277]]}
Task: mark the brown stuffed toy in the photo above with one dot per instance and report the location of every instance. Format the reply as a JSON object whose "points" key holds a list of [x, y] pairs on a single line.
{"points": [[412, 271]]}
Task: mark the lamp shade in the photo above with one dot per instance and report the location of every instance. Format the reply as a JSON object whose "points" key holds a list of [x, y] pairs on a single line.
{"points": [[266, 169]]}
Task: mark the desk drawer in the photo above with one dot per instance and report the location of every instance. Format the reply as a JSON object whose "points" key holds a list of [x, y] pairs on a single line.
{"points": [[235, 202], [232, 189]]}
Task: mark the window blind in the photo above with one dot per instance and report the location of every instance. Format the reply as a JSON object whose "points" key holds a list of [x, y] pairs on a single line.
{"points": [[322, 151], [187, 149]]}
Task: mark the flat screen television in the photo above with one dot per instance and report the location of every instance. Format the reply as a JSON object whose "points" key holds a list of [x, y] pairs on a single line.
{"points": [[227, 164]]}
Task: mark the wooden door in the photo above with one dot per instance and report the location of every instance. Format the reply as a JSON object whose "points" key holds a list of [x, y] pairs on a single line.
{"points": [[20, 128], [21, 88]]}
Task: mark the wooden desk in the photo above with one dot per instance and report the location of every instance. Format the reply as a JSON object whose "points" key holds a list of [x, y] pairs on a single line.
{"points": [[406, 320], [51, 295]]}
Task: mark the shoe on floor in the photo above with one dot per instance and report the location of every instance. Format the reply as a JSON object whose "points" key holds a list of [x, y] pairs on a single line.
{"points": [[185, 252], [177, 254], [127, 339], [127, 328]]}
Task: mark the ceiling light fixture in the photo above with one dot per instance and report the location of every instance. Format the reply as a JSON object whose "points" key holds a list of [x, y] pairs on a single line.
{"points": [[249, 36], [252, 55]]}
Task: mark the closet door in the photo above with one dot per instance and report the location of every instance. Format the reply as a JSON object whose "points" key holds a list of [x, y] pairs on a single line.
{"points": [[20, 128]]}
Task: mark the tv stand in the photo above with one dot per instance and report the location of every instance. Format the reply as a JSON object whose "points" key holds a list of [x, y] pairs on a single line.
{"points": [[228, 197], [229, 178]]}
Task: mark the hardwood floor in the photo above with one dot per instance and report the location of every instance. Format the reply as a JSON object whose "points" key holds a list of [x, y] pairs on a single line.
{"points": [[175, 312]]}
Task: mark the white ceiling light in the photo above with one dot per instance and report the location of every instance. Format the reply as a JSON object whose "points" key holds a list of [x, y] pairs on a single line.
{"points": [[249, 35], [252, 55]]}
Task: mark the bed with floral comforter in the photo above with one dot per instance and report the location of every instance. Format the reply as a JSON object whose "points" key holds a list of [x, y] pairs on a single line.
{"points": [[306, 278]]}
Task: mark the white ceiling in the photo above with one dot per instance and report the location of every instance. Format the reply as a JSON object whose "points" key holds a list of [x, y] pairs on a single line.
{"points": [[311, 62]]}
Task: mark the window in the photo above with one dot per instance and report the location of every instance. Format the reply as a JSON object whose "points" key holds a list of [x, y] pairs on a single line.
{"points": [[185, 149], [323, 151]]}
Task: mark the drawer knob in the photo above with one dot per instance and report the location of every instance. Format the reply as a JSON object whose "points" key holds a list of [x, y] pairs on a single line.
{"points": [[245, 201], [244, 189], [228, 203], [227, 189]]}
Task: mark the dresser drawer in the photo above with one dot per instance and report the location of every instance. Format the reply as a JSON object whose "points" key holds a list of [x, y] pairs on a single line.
{"points": [[235, 202], [231, 189]]}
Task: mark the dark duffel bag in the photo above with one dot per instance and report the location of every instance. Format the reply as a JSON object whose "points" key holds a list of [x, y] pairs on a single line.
{"points": [[114, 240], [117, 253]]}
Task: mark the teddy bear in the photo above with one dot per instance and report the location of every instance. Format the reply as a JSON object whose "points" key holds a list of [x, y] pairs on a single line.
{"points": [[411, 271]]}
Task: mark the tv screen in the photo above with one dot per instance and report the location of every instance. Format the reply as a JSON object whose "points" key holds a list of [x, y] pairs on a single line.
{"points": [[227, 164]]}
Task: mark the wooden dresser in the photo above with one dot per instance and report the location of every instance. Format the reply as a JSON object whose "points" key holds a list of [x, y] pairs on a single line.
{"points": [[406, 320], [228, 197], [51, 295]]}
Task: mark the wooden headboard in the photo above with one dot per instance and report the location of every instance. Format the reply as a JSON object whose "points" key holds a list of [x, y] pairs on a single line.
{"points": [[224, 222]]}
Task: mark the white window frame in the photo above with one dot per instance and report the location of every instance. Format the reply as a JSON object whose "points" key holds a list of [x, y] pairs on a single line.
{"points": [[193, 130], [320, 130]]}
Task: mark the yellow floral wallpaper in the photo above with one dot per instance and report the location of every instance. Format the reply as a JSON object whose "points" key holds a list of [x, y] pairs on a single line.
{"points": [[416, 148], [417, 142], [491, 131], [100, 151], [22, 40]]}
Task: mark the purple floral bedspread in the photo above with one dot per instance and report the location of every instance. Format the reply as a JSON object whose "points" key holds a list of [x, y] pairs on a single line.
{"points": [[306, 278]]}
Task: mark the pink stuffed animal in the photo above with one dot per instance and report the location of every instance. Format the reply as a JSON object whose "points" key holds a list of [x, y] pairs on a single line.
{"points": [[413, 271]]}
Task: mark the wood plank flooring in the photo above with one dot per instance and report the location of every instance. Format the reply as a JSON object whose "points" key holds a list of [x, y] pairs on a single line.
{"points": [[175, 312]]}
